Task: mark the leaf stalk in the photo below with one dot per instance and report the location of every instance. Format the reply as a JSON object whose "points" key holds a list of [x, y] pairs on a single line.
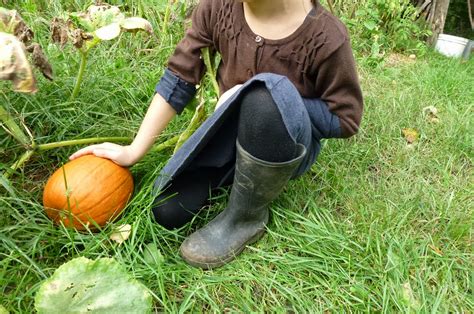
{"points": [[80, 74]]}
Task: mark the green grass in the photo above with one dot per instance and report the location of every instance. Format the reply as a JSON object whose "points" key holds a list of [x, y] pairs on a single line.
{"points": [[376, 225]]}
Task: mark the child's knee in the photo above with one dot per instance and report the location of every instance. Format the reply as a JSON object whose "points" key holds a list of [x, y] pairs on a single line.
{"points": [[257, 104]]}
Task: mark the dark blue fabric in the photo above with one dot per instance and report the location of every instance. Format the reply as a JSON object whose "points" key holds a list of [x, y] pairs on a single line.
{"points": [[324, 123], [213, 143], [177, 92]]}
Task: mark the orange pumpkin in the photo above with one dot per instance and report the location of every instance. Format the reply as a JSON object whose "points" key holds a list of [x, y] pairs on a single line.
{"points": [[87, 191]]}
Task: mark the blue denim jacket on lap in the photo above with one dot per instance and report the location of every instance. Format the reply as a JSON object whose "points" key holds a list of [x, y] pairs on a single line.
{"points": [[178, 93]]}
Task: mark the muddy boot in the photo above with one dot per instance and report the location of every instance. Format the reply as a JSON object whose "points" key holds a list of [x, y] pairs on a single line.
{"points": [[256, 184]]}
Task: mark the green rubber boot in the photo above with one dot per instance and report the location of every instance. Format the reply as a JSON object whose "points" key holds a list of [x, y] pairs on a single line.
{"points": [[256, 184]]}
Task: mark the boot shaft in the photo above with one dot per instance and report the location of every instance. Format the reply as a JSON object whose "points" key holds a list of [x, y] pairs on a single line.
{"points": [[257, 182]]}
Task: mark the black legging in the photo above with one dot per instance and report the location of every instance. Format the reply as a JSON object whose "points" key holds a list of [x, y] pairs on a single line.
{"points": [[261, 132]]}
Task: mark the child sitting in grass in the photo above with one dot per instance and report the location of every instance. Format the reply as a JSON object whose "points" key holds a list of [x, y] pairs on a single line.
{"points": [[290, 80]]}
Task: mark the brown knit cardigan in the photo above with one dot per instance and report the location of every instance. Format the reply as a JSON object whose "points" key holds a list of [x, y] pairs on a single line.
{"points": [[317, 57]]}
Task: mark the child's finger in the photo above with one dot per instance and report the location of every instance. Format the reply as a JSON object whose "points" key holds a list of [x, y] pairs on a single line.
{"points": [[112, 154], [103, 152], [83, 151], [107, 145]]}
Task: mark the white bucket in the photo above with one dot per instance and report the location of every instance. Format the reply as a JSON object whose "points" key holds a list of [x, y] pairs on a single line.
{"points": [[451, 46]]}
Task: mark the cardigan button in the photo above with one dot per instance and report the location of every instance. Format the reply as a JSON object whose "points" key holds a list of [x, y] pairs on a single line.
{"points": [[258, 39]]}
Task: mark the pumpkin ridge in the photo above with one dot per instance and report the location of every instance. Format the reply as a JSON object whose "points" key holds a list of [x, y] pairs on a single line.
{"points": [[86, 174], [91, 172], [105, 198], [114, 214], [122, 201]]}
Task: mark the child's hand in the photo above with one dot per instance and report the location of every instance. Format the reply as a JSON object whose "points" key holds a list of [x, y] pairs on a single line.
{"points": [[121, 155]]}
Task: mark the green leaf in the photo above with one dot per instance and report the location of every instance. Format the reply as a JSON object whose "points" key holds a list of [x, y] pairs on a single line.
{"points": [[12, 127], [136, 23], [102, 15], [104, 22], [409, 297], [80, 21], [152, 255], [108, 32], [86, 286], [3, 310], [370, 25], [6, 184]]}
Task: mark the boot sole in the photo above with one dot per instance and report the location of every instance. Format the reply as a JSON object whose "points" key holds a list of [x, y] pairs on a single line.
{"points": [[225, 260]]}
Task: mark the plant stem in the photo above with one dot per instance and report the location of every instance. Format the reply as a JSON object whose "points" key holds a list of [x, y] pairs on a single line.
{"points": [[210, 69], [13, 128], [331, 6], [24, 158], [42, 147], [164, 28], [166, 144], [85, 141], [80, 75], [198, 117]]}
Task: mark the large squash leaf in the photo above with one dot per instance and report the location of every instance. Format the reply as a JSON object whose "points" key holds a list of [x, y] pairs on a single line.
{"points": [[14, 65], [86, 286], [12, 23], [97, 23]]}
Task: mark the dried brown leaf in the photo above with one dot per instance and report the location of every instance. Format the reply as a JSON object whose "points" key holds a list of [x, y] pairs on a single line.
{"points": [[436, 249], [23, 32], [431, 114], [59, 31], [40, 61], [77, 38], [121, 234]]}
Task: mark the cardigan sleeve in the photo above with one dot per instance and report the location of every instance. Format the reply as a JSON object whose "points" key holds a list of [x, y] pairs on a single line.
{"points": [[186, 66], [338, 82], [177, 92], [324, 124]]}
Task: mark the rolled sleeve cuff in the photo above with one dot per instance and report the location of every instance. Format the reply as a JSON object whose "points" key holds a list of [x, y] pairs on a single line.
{"points": [[325, 124], [177, 92]]}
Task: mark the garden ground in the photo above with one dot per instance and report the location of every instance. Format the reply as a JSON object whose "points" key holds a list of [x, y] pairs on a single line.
{"points": [[378, 224]]}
